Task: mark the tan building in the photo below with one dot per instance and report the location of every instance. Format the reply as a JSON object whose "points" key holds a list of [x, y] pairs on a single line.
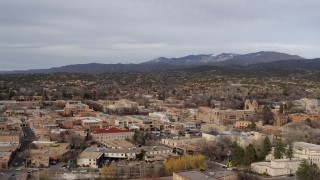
{"points": [[42, 127], [74, 108], [3, 126], [42, 134], [11, 136], [113, 107], [45, 150], [182, 145], [91, 124], [9, 144], [219, 116], [242, 124], [301, 117], [117, 121], [251, 105], [104, 135], [5, 158], [144, 122]]}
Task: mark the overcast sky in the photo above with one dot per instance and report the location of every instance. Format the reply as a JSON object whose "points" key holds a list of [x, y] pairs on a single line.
{"points": [[42, 33]]}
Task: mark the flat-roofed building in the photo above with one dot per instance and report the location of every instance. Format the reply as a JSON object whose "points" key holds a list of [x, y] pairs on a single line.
{"points": [[198, 175], [3, 126], [11, 136], [117, 121], [145, 122], [45, 150], [301, 117], [219, 116], [42, 134], [73, 108], [242, 124], [90, 158], [104, 135], [130, 153], [307, 151], [9, 144], [182, 145], [91, 123], [277, 167], [5, 158]]}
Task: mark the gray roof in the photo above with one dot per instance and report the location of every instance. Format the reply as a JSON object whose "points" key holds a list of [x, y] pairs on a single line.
{"points": [[195, 175]]}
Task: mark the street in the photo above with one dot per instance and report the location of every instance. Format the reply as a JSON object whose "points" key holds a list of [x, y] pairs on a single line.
{"points": [[18, 159], [17, 164]]}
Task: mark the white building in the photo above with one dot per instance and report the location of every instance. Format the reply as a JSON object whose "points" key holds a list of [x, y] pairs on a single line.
{"points": [[245, 138], [90, 158], [308, 151], [124, 152], [278, 167], [159, 116], [215, 136], [309, 105]]}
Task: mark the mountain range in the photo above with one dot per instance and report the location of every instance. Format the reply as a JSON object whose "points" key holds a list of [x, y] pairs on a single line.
{"points": [[251, 60], [226, 59]]}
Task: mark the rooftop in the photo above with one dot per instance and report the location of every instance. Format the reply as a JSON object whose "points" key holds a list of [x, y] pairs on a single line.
{"points": [[119, 143], [195, 175], [111, 130], [91, 120], [309, 146], [90, 155], [126, 150]]}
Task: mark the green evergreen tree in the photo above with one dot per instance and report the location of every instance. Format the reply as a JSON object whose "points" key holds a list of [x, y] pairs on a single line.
{"points": [[281, 109], [279, 150], [266, 148], [252, 126], [289, 120], [237, 156], [250, 155], [308, 121], [289, 151], [209, 101], [307, 171]]}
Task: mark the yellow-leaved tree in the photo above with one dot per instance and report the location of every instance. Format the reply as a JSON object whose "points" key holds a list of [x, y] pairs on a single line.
{"points": [[185, 163]]}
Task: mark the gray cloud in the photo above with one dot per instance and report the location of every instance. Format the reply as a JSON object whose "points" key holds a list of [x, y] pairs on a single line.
{"points": [[41, 34]]}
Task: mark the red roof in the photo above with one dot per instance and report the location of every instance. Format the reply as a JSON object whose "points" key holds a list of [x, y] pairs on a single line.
{"points": [[111, 130]]}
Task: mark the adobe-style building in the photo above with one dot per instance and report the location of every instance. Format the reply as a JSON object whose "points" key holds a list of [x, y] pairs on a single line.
{"points": [[104, 135], [251, 105], [74, 108], [219, 116], [46, 150]]}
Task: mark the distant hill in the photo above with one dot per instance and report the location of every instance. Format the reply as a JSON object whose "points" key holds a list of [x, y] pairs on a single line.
{"points": [[96, 68], [200, 59], [307, 64], [259, 57], [226, 59]]}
